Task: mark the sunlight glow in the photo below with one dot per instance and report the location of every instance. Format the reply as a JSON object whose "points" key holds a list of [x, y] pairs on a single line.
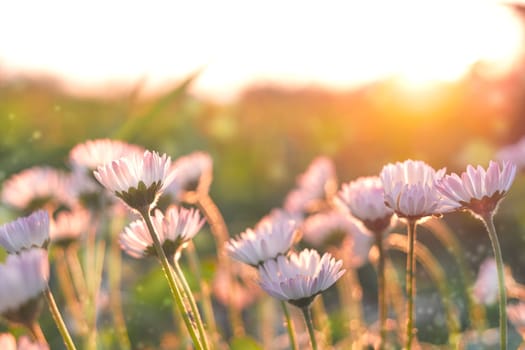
{"points": [[339, 43]]}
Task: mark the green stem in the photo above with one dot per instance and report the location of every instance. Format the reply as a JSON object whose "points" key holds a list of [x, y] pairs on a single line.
{"points": [[410, 282], [381, 299], [115, 297], [186, 292], [59, 321], [289, 326], [309, 324], [168, 273], [489, 224]]}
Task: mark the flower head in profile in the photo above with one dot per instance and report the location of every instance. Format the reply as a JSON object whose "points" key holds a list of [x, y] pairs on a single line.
{"points": [[267, 240], [365, 199], [409, 189], [68, 226], [327, 228], [298, 278], [36, 188], [485, 290], [239, 291], [194, 175], [25, 233], [175, 229], [94, 153], [24, 277], [137, 179], [516, 315], [514, 153], [477, 189], [316, 185]]}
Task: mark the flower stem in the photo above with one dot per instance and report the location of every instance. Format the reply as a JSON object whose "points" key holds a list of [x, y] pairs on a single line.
{"points": [[57, 317], [37, 333], [489, 224], [186, 292], [381, 299], [289, 326], [168, 273], [410, 282], [309, 324]]}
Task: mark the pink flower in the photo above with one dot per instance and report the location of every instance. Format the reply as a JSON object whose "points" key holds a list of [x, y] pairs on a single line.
{"points": [[513, 153], [94, 153], [25, 233], [409, 189], [174, 229], [35, 187], [365, 199], [485, 288], [477, 189], [24, 277], [239, 291], [268, 240], [316, 185], [8, 342], [137, 179], [69, 226], [194, 173], [298, 278], [516, 315]]}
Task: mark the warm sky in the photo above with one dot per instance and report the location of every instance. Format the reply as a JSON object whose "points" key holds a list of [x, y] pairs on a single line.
{"points": [[335, 43]]}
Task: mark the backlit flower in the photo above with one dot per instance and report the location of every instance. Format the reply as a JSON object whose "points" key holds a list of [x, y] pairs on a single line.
{"points": [[8, 342], [69, 226], [25, 233], [94, 153], [239, 291], [137, 179], [268, 240], [327, 228], [194, 175], [516, 315], [35, 188], [365, 199], [298, 278], [316, 185], [409, 189], [24, 277], [477, 189], [174, 229]]}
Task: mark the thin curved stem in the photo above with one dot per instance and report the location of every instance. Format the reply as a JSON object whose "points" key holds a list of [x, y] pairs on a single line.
{"points": [[309, 324], [289, 326], [381, 299], [37, 333], [489, 224], [186, 292], [168, 273], [410, 282], [59, 321]]}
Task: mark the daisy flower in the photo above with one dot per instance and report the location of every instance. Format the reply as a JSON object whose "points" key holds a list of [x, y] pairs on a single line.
{"points": [[25, 233], [194, 175], [298, 278], [136, 179]]}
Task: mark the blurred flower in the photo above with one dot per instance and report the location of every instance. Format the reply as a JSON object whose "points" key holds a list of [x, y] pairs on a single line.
{"points": [[25, 232], [68, 226], [409, 189], [365, 199], [8, 342], [298, 278], [86, 190], [137, 179], [24, 277], [174, 229], [194, 174], [485, 288], [315, 186], [478, 190], [516, 315], [268, 240], [241, 290], [94, 153], [513, 153], [36, 188], [327, 228]]}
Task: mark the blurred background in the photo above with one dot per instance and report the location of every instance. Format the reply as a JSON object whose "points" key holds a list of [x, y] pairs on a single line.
{"points": [[267, 87]]}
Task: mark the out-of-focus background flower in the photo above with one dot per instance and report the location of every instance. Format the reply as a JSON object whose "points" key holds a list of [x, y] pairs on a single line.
{"points": [[265, 88]]}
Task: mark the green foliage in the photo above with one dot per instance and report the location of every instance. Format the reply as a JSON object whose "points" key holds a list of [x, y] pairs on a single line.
{"points": [[245, 343]]}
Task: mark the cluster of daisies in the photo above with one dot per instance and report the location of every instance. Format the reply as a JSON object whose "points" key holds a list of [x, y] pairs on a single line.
{"points": [[108, 178]]}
